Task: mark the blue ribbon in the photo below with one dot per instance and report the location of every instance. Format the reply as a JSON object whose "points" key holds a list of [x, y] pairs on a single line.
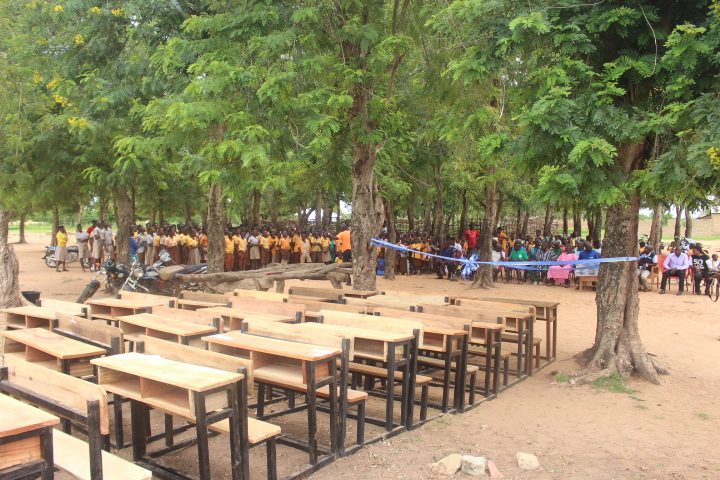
{"points": [[470, 265]]}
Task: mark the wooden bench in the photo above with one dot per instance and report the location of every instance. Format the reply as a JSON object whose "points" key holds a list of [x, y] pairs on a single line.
{"points": [[149, 298], [266, 306], [78, 401], [587, 281], [260, 295], [201, 317], [346, 397], [65, 307], [258, 431], [196, 300], [29, 317], [321, 294], [313, 307]]}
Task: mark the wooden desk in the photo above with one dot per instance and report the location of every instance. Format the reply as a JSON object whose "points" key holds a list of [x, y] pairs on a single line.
{"points": [[165, 328], [29, 317], [360, 293], [233, 317], [288, 364], [546, 311], [51, 350], [199, 394], [26, 446], [186, 304], [393, 349], [111, 308]]}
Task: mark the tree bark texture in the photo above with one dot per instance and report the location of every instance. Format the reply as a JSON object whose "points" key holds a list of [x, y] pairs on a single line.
{"points": [[688, 223], [55, 226], [524, 227], [411, 212], [656, 227], [215, 230], [484, 245], [577, 221], [256, 208], [390, 254], [125, 221], [617, 346], [9, 284], [678, 220], [565, 221], [547, 224], [21, 229], [463, 213], [438, 224]]}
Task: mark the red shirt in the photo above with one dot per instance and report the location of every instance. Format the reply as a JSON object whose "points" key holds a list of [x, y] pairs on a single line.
{"points": [[90, 229], [471, 236]]}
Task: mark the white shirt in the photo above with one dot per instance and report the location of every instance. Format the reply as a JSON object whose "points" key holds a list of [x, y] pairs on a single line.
{"points": [[81, 237]]}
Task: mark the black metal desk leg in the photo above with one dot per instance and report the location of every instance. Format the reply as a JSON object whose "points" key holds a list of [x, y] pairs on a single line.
{"points": [[447, 373], [46, 452], [389, 420], [201, 428], [333, 408], [312, 411], [138, 420], [239, 446]]}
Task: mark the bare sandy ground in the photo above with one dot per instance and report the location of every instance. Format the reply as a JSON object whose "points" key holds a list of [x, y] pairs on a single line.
{"points": [[667, 431]]}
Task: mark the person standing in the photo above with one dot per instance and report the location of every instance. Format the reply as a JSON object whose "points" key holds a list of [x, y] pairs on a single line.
{"points": [[253, 242], [345, 247], [96, 254], [676, 265], [133, 246], [284, 244], [81, 238], [61, 249], [107, 239], [305, 252]]}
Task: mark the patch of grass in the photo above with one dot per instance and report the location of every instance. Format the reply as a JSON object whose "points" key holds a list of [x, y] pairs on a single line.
{"points": [[637, 398], [640, 406], [613, 383], [703, 415], [562, 378]]}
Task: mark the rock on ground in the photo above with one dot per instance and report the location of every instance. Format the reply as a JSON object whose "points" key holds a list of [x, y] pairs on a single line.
{"points": [[527, 461], [448, 465], [475, 466], [493, 470]]}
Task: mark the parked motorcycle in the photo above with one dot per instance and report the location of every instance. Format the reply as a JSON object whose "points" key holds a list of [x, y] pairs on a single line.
{"points": [[112, 275], [72, 256]]}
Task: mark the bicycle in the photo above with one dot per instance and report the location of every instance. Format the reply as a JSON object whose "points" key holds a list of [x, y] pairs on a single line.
{"points": [[714, 290]]}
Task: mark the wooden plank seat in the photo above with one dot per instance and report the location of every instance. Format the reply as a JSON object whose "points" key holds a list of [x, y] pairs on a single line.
{"points": [[587, 281], [65, 307], [188, 300], [260, 295], [258, 431], [345, 395], [478, 358], [148, 298], [296, 310], [536, 342], [322, 294], [78, 402], [471, 372]]}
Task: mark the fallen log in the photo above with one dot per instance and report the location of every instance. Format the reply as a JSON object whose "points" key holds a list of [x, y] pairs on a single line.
{"points": [[273, 274]]}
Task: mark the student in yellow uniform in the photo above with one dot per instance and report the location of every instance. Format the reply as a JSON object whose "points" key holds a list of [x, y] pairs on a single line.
{"points": [[315, 249], [61, 251], [274, 249], [297, 244], [325, 247], [229, 252], [285, 248], [192, 244], [264, 249], [241, 247]]}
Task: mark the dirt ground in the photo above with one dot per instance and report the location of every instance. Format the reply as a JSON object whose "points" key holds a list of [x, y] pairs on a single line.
{"points": [[667, 431]]}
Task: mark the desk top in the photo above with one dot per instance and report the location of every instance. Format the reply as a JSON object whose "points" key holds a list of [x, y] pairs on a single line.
{"points": [[273, 346], [198, 303], [118, 302], [354, 332], [360, 293], [245, 315], [39, 312], [53, 344], [18, 417], [536, 303], [166, 324], [179, 374]]}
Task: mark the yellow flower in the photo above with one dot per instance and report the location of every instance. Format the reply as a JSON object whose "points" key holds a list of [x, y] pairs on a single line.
{"points": [[80, 123], [37, 78], [79, 39], [42, 41], [60, 100], [103, 100], [52, 84], [96, 10], [118, 12], [73, 121], [59, 9], [714, 155]]}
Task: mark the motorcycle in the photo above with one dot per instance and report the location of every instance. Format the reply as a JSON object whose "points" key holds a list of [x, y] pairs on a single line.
{"points": [[112, 274], [160, 279], [72, 256]]}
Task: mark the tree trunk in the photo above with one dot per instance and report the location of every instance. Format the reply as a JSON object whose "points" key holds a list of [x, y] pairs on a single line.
{"points": [[21, 228], [484, 245], [547, 224], [319, 208], [133, 213], [518, 222], [125, 221], [411, 212], [565, 221], [427, 211], [188, 213], [618, 347], [215, 230], [656, 227], [678, 219], [81, 211], [688, 223], [327, 216], [256, 208], [599, 226], [390, 255], [463, 213], [103, 208], [577, 221], [9, 284], [524, 228], [438, 224], [55, 226]]}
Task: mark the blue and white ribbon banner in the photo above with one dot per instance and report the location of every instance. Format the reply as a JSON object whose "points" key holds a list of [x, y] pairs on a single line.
{"points": [[470, 265]]}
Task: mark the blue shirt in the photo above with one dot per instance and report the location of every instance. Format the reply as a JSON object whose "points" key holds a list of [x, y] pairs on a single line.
{"points": [[133, 246], [591, 255]]}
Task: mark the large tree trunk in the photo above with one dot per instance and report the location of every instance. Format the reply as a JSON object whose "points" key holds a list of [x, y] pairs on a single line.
{"points": [[427, 215], [656, 226], [21, 228], [617, 346], [678, 219], [318, 208], [81, 212], [411, 212], [215, 230], [256, 208], [55, 226], [9, 284], [565, 221], [125, 221], [390, 255], [103, 203], [688, 223], [547, 224], [577, 221], [438, 224], [484, 245], [524, 227], [463, 213]]}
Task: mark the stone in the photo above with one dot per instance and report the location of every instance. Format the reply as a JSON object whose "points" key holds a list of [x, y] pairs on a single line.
{"points": [[475, 466], [448, 465], [527, 461], [493, 470]]}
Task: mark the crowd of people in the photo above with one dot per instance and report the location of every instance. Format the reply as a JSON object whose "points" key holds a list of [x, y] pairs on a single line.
{"points": [[253, 248]]}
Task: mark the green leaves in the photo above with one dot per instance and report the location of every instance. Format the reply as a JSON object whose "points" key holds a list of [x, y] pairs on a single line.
{"points": [[592, 152]]}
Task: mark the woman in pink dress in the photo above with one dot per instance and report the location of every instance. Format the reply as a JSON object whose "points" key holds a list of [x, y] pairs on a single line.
{"points": [[562, 272]]}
